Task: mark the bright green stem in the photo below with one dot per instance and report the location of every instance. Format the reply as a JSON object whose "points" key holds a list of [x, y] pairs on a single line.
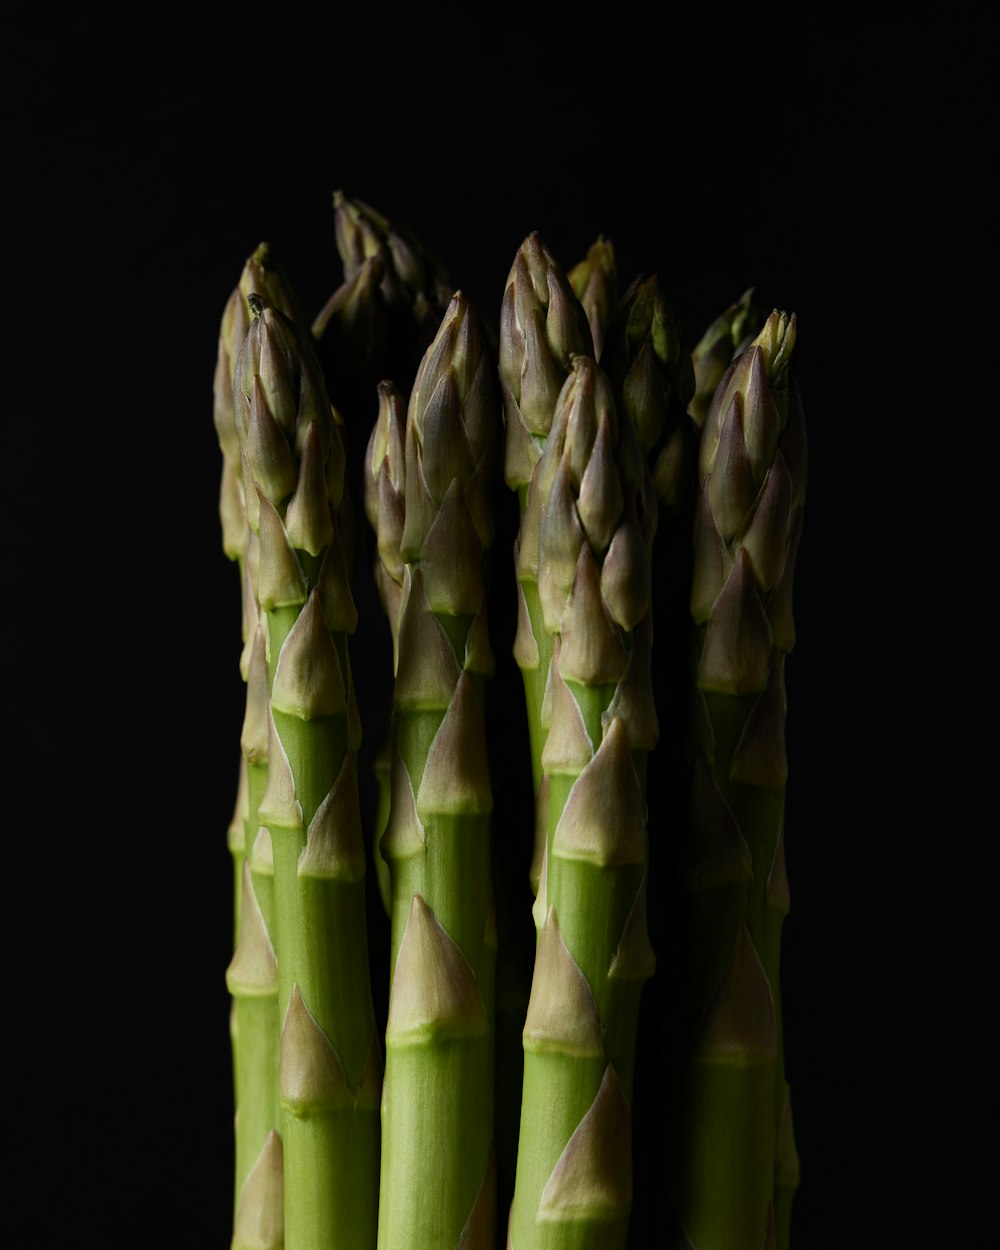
{"points": [[558, 1092], [441, 1093], [253, 983], [254, 1021], [329, 1086], [331, 1195], [438, 1108], [452, 874], [574, 1179], [257, 1079], [414, 732]]}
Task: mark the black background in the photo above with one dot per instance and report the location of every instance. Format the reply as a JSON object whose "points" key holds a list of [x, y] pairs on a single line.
{"points": [[841, 166]]}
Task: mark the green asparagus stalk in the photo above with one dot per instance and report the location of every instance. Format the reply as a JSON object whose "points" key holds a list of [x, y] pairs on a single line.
{"points": [[729, 1183], [595, 284], [330, 1065], [542, 326], [592, 512], [252, 975], [434, 484]]}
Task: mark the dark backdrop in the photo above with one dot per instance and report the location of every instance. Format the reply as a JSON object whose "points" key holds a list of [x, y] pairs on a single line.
{"points": [[839, 166]]}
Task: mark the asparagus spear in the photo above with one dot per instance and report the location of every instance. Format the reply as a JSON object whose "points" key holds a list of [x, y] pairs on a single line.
{"points": [[433, 507], [252, 975], [542, 326], [593, 510], [752, 473], [292, 465]]}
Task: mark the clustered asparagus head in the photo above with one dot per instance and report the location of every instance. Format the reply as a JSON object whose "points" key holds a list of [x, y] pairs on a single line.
{"points": [[261, 276], [329, 1155], [385, 312], [542, 326]]}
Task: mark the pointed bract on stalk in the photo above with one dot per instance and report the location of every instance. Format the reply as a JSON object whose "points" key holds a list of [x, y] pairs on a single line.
{"points": [[752, 471], [430, 489], [587, 534], [724, 339], [292, 461], [595, 283]]}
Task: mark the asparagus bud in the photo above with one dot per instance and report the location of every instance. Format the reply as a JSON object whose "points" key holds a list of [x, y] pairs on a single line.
{"points": [[380, 320], [262, 276], [255, 1008], [542, 325]]}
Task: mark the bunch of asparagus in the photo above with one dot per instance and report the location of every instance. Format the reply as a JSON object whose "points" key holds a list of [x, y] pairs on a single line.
{"points": [[653, 484]]}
